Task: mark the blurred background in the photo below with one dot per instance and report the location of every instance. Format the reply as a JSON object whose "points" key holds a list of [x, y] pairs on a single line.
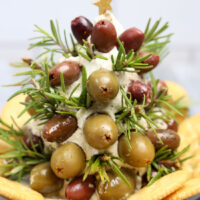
{"points": [[182, 65]]}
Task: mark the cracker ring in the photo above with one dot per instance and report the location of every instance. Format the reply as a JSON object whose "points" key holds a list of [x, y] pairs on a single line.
{"points": [[12, 109], [190, 188], [176, 91], [189, 131], [16, 191], [162, 187]]}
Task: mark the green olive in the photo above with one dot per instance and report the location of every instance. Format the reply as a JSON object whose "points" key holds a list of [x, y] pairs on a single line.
{"points": [[116, 189], [140, 154], [68, 160], [103, 85], [100, 131], [43, 180]]}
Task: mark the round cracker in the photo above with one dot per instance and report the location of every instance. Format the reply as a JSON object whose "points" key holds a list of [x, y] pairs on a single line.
{"points": [[190, 188], [162, 187], [189, 131], [176, 91], [16, 191], [196, 173], [12, 109], [5, 147]]}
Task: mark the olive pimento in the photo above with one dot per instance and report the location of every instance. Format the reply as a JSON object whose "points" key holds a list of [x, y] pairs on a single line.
{"points": [[140, 91], [71, 72], [68, 161], [132, 39], [172, 124], [161, 88], [116, 188], [78, 189], [100, 131], [104, 36], [59, 128], [141, 153], [168, 137], [81, 28], [153, 61], [33, 142], [43, 180], [103, 85]]}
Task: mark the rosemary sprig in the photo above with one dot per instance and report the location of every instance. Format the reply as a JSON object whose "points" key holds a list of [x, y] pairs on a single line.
{"points": [[180, 104], [53, 39], [87, 51], [128, 62], [84, 99], [165, 154], [155, 39], [19, 64], [35, 70], [46, 99], [161, 100], [100, 163], [20, 160], [129, 118]]}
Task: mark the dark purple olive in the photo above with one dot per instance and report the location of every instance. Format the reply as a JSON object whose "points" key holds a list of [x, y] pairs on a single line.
{"points": [[33, 140], [104, 36], [132, 39], [81, 28], [161, 87], [59, 128], [71, 72], [153, 61], [139, 91], [172, 124], [78, 189], [168, 137]]}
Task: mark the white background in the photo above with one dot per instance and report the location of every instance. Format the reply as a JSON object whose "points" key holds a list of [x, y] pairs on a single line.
{"points": [[182, 65]]}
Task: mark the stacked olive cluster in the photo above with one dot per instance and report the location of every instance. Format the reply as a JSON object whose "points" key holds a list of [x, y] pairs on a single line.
{"points": [[100, 130]]}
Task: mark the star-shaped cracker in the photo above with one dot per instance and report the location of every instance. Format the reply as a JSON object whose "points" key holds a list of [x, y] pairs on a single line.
{"points": [[103, 5]]}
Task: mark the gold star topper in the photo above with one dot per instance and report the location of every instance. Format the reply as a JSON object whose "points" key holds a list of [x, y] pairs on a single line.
{"points": [[103, 5]]}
